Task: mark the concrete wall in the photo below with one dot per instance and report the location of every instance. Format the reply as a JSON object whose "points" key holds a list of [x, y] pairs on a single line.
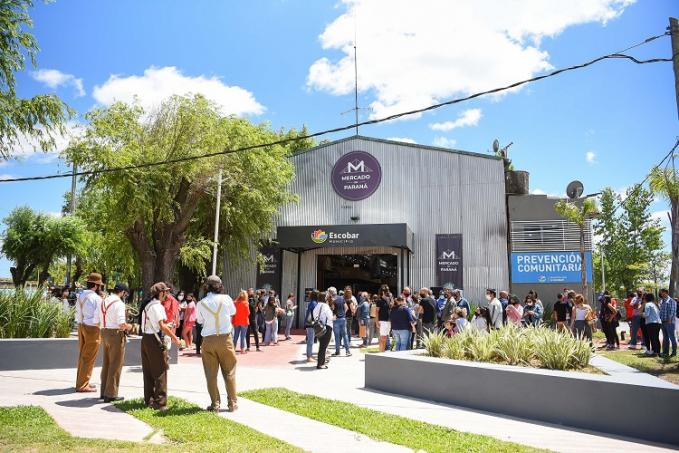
{"points": [[574, 399], [53, 353]]}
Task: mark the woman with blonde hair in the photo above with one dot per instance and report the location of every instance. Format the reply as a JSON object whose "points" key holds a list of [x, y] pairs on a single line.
{"points": [[241, 320], [582, 316]]}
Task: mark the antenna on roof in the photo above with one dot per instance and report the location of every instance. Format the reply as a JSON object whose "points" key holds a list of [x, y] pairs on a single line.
{"points": [[356, 107]]}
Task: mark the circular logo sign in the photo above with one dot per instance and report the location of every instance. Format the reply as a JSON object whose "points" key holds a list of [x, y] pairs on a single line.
{"points": [[356, 175], [319, 236]]}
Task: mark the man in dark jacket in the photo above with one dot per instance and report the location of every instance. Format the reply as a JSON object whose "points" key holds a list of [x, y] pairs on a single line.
{"points": [[252, 326]]}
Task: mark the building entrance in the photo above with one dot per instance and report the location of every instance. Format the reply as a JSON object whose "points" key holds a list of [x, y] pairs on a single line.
{"points": [[361, 272]]}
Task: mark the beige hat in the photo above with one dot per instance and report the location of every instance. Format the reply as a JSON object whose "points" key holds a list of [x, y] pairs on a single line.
{"points": [[158, 287], [213, 280]]}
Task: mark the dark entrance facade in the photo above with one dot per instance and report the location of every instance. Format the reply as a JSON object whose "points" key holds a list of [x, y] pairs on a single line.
{"points": [[361, 272]]}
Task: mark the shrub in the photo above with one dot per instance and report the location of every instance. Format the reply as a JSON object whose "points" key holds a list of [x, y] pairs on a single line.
{"points": [[512, 345], [28, 315]]}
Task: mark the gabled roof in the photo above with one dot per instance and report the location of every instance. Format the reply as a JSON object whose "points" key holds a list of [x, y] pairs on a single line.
{"points": [[394, 142]]}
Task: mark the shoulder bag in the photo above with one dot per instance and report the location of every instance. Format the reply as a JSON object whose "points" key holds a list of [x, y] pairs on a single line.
{"points": [[319, 327]]}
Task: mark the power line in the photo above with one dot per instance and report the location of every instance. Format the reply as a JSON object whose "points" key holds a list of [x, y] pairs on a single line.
{"points": [[615, 55]]}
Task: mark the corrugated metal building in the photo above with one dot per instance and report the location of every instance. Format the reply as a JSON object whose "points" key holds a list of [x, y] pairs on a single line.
{"points": [[379, 213]]}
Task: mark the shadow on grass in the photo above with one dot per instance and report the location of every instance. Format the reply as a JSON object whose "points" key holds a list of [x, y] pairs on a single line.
{"points": [[173, 408]]}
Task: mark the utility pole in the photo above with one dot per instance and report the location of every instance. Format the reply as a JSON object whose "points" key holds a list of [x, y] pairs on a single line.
{"points": [[71, 211], [674, 30], [217, 209], [603, 272]]}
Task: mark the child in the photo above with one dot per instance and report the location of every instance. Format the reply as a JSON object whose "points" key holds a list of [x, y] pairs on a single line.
{"points": [[460, 318], [480, 320], [448, 330]]}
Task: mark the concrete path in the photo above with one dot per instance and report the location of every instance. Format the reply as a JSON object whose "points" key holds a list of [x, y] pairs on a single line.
{"points": [[628, 374], [344, 380], [80, 414]]}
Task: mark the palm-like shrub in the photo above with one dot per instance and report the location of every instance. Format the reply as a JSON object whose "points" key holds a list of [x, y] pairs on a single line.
{"points": [[512, 345], [27, 315]]}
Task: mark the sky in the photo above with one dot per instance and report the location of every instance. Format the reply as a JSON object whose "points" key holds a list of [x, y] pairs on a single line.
{"points": [[290, 63]]}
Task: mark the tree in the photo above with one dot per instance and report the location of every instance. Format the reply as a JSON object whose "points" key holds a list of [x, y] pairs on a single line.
{"points": [[629, 237], [40, 117], [578, 212], [666, 183], [33, 240], [153, 208]]}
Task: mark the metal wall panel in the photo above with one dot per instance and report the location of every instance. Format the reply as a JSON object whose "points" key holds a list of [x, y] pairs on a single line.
{"points": [[434, 191]]}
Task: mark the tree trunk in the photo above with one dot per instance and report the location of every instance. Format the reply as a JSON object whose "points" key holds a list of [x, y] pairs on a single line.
{"points": [[674, 225]]}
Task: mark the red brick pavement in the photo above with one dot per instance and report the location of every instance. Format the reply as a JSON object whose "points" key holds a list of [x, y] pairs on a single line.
{"points": [[285, 354]]}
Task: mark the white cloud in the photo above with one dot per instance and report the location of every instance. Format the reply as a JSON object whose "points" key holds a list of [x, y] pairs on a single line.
{"points": [[590, 157], [6, 176], [538, 192], [662, 216], [157, 84], [54, 78], [411, 55], [444, 142], [28, 147], [402, 139], [469, 117]]}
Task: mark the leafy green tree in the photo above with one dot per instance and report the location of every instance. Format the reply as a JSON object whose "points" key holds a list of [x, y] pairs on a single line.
{"points": [[40, 117], [630, 238], [155, 209], [666, 183], [34, 240], [579, 212]]}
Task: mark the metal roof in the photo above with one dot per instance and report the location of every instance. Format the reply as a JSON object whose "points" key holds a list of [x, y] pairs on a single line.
{"points": [[395, 142]]}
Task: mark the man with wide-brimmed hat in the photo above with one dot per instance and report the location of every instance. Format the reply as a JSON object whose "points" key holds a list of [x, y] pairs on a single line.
{"points": [[214, 313], [86, 308], [112, 318]]}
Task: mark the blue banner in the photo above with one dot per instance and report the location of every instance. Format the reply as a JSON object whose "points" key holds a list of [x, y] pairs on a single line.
{"points": [[549, 267]]}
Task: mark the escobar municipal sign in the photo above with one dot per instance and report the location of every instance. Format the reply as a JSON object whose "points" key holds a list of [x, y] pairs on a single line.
{"points": [[356, 175], [549, 267]]}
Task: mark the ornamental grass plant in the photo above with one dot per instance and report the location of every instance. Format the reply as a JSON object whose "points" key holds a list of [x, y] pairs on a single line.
{"points": [[539, 347], [27, 315]]}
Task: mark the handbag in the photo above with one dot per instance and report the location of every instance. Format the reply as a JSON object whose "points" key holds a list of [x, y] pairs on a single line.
{"points": [[362, 331], [319, 327]]}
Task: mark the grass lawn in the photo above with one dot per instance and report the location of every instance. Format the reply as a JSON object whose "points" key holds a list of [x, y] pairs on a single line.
{"points": [[186, 426], [664, 368], [191, 428], [31, 429], [381, 426]]}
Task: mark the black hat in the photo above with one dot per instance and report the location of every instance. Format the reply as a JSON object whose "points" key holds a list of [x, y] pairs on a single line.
{"points": [[120, 287], [491, 290]]}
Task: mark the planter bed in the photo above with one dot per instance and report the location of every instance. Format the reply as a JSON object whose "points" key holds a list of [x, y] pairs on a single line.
{"points": [[53, 353], [580, 400]]}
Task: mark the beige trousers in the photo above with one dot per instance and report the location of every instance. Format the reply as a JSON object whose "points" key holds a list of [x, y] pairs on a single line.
{"points": [[88, 347], [218, 353], [113, 345]]}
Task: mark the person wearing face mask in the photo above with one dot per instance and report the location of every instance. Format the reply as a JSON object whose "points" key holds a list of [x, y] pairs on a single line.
{"points": [[494, 309], [448, 308], [460, 301]]}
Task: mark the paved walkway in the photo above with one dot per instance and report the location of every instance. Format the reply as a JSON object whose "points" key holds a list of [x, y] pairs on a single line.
{"points": [[343, 380], [81, 414], [628, 374]]}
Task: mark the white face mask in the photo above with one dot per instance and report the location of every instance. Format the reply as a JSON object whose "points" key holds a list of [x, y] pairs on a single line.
{"points": [[180, 297], [489, 297]]}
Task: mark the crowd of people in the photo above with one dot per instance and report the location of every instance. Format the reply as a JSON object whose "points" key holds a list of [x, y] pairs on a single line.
{"points": [[219, 327]]}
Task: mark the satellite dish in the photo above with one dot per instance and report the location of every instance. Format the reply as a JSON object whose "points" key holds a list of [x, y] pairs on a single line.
{"points": [[574, 190], [496, 146]]}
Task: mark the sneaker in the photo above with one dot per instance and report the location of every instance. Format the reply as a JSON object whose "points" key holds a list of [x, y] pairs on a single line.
{"points": [[336, 354], [649, 353], [348, 354]]}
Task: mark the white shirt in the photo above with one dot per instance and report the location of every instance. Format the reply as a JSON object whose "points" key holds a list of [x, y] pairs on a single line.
{"points": [[323, 313], [151, 316], [86, 306], [111, 314], [495, 309], [213, 310], [480, 324]]}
